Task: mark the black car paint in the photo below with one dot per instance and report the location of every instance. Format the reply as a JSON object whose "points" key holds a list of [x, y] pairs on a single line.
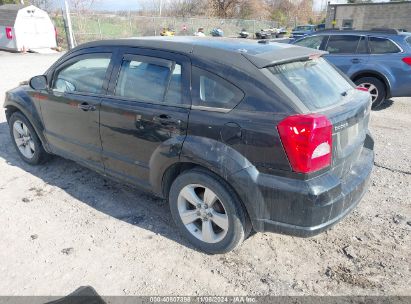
{"points": [[140, 142]]}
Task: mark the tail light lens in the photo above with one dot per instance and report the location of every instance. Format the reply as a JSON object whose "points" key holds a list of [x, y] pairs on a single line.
{"points": [[307, 140], [407, 60], [9, 33]]}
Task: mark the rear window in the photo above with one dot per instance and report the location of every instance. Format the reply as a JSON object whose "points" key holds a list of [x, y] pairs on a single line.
{"points": [[382, 46], [315, 82], [409, 41]]}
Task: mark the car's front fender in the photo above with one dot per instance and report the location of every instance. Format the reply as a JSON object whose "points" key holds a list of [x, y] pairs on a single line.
{"points": [[21, 99]]}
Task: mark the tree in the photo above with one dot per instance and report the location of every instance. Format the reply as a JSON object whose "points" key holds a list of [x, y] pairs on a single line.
{"points": [[224, 8], [186, 8], [81, 5], [43, 4], [10, 2]]}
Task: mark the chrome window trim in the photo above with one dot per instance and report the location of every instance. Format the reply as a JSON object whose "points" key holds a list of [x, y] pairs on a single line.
{"points": [[210, 109]]}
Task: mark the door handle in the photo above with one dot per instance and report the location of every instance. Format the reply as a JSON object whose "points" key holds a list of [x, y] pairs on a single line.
{"points": [[164, 118], [86, 107], [355, 60]]}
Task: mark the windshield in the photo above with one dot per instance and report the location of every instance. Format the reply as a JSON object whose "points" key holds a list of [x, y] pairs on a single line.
{"points": [[315, 82], [303, 28]]}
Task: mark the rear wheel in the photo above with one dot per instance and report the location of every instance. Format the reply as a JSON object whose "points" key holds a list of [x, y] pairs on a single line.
{"points": [[375, 87], [25, 140], [207, 212]]}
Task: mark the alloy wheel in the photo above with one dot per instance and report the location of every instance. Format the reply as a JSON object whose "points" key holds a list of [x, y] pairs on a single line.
{"points": [[372, 89], [203, 213], [23, 139]]}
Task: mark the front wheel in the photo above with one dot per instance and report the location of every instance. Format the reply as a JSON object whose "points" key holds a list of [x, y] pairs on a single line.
{"points": [[207, 212], [25, 140], [375, 87]]}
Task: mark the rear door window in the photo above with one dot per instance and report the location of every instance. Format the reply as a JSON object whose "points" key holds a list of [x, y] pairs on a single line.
{"points": [[382, 46], [313, 42], [315, 82], [343, 44], [212, 91], [149, 79]]}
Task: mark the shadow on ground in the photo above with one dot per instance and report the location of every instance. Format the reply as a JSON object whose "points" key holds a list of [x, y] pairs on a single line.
{"points": [[385, 105], [114, 199]]}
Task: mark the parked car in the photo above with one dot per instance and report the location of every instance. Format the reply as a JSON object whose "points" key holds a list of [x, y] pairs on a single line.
{"points": [[379, 61], [217, 32], [302, 30], [271, 33], [257, 136], [264, 34], [243, 33]]}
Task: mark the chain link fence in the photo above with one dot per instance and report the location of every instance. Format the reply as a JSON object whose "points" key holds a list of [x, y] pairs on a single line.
{"points": [[89, 27]]}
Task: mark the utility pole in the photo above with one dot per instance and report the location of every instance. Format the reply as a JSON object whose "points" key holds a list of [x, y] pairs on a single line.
{"points": [[69, 29], [161, 7]]}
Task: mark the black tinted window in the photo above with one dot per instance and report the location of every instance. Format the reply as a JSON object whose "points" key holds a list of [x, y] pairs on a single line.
{"points": [[86, 75], [343, 44], [313, 42], [147, 79], [211, 90], [382, 46]]}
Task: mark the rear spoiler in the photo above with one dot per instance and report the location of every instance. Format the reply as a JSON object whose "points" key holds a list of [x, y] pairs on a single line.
{"points": [[284, 55]]}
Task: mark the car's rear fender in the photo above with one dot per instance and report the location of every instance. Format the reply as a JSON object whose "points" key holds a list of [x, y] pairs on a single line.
{"points": [[217, 157], [19, 99]]}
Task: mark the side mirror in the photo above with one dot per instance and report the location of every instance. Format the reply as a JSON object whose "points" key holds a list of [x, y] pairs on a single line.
{"points": [[38, 83]]}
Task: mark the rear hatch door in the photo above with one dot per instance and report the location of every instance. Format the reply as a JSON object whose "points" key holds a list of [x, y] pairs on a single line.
{"points": [[314, 86]]}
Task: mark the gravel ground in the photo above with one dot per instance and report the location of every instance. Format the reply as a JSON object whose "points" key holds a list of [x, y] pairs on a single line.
{"points": [[64, 226]]}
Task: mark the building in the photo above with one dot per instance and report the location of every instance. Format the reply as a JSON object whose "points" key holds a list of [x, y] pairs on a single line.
{"points": [[365, 16], [25, 27]]}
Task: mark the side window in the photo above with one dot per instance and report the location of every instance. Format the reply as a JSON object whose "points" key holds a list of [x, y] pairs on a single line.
{"points": [[149, 79], [175, 88], [313, 42], [382, 46], [342, 44], [362, 46], [83, 76], [213, 91]]}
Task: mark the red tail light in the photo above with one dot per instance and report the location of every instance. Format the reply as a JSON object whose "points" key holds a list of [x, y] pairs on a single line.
{"points": [[407, 60], [9, 33], [307, 140]]}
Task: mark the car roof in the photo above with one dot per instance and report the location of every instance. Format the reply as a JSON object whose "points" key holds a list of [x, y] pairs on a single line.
{"points": [[387, 33], [227, 50]]}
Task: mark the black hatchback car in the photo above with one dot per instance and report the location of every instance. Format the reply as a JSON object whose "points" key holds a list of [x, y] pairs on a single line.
{"points": [[237, 135]]}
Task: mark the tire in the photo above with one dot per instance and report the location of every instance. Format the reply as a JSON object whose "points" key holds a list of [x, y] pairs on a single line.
{"points": [[374, 85], [225, 209], [27, 134]]}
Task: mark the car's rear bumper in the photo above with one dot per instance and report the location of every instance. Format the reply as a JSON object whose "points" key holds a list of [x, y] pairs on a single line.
{"points": [[304, 207]]}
